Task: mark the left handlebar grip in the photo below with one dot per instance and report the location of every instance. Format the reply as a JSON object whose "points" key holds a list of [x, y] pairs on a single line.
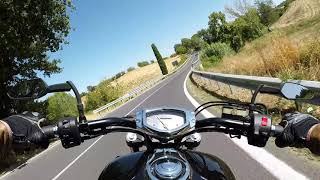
{"points": [[50, 131]]}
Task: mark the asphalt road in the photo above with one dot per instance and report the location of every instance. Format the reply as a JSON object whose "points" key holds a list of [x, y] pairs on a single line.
{"points": [[87, 161]]}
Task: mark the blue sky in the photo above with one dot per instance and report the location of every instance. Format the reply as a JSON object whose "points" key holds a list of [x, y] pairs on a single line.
{"points": [[112, 35]]}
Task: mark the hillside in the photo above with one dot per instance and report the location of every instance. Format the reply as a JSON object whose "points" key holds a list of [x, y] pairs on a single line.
{"points": [[298, 11], [278, 53], [134, 78]]}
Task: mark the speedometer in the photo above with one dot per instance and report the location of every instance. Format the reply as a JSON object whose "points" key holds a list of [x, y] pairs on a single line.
{"points": [[166, 120]]}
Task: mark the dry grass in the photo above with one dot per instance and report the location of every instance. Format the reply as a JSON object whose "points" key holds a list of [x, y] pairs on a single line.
{"points": [[134, 78], [299, 10], [281, 57]]}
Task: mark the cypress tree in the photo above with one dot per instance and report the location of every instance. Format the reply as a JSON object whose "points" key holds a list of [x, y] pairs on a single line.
{"points": [[161, 62]]}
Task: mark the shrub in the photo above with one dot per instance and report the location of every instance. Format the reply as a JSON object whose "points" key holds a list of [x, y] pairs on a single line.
{"points": [[180, 49], [161, 62], [218, 50], [104, 93], [152, 61], [143, 63], [130, 69], [61, 105]]}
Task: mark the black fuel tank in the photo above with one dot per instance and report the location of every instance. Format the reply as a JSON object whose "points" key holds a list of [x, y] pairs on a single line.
{"points": [[133, 166]]}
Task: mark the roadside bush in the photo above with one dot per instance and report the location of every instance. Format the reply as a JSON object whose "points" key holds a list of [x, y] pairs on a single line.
{"points": [[143, 63], [218, 50], [130, 69], [180, 49], [213, 53], [104, 93], [61, 105]]}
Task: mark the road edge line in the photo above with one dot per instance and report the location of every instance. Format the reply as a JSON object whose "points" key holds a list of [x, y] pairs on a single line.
{"points": [[273, 165]]}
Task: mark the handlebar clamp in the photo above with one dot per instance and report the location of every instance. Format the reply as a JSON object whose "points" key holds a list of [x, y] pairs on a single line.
{"points": [[68, 132]]}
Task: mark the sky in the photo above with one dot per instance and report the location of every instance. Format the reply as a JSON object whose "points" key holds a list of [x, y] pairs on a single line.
{"points": [[109, 36]]}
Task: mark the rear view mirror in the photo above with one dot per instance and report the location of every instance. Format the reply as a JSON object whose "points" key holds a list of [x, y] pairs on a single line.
{"points": [[28, 89], [293, 91]]}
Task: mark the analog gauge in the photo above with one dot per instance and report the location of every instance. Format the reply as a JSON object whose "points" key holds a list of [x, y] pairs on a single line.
{"points": [[165, 120]]}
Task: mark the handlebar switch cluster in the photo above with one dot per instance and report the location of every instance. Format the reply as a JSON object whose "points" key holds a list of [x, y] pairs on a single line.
{"points": [[68, 132], [260, 130]]}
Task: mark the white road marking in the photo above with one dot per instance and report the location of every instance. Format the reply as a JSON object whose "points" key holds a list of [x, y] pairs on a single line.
{"points": [[276, 167], [32, 159], [70, 164]]}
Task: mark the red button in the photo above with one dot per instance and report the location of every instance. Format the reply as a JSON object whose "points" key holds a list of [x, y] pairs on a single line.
{"points": [[264, 121]]}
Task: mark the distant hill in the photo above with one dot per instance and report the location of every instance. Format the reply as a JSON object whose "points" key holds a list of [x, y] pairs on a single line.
{"points": [[298, 11]]}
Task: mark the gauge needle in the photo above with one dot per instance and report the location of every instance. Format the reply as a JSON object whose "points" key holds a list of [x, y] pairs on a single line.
{"points": [[162, 123]]}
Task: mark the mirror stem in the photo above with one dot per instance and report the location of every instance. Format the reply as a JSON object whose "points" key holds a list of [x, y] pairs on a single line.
{"points": [[82, 117]]}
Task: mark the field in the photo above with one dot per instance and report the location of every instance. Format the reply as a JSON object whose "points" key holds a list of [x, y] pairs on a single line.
{"points": [[136, 77]]}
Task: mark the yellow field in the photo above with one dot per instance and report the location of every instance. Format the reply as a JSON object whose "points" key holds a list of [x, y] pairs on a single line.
{"points": [[136, 77]]}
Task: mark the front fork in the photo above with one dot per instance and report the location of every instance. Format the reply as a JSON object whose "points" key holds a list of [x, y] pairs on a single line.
{"points": [[135, 141]]}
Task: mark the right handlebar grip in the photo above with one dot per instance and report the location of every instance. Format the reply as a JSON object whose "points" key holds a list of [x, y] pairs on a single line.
{"points": [[276, 130], [50, 131]]}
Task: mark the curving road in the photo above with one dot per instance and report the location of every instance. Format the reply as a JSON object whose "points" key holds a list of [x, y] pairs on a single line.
{"points": [[87, 161]]}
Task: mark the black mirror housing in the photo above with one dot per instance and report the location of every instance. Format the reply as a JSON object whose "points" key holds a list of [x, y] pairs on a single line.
{"points": [[28, 89], [293, 91]]}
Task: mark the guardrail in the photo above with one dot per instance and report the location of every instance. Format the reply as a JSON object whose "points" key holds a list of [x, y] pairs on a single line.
{"points": [[137, 90], [131, 94], [251, 82]]}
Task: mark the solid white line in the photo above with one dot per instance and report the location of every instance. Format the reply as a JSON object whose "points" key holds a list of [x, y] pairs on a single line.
{"points": [[31, 159], [69, 165], [57, 176], [276, 167]]}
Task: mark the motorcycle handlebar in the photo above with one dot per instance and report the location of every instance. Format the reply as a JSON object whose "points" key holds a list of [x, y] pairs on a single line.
{"points": [[276, 130], [94, 127], [50, 131]]}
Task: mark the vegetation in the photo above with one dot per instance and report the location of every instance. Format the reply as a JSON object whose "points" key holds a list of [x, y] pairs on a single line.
{"points": [[213, 53], [61, 105], [161, 62], [142, 63], [104, 92], [250, 22], [130, 69], [29, 29]]}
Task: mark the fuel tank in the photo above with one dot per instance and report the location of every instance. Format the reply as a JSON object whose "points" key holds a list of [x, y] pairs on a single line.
{"points": [[199, 166]]}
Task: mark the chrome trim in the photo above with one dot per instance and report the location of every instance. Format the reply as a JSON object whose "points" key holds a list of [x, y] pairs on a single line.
{"points": [[170, 155]]}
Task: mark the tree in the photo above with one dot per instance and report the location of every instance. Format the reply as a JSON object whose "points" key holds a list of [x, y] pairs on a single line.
{"points": [[218, 27], [239, 8], [268, 14], [91, 88], [130, 69], [142, 63], [205, 36], [61, 105], [180, 49], [28, 30], [161, 62], [196, 42], [187, 43]]}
